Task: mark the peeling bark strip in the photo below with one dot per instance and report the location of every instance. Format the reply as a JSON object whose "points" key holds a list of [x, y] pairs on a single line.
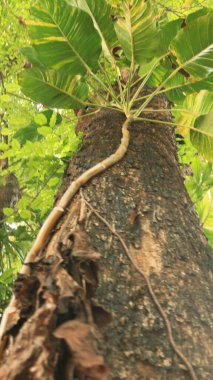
{"points": [[58, 211], [59, 310]]}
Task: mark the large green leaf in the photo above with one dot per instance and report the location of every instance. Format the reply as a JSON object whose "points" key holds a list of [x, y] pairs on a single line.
{"points": [[202, 142], [192, 16], [179, 85], [205, 207], [53, 89], [100, 12], [193, 46], [203, 84], [168, 32], [64, 37], [137, 31], [32, 57], [194, 106]]}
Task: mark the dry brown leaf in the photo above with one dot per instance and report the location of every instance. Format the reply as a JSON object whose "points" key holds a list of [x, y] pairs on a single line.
{"points": [[82, 247], [30, 353], [67, 286], [79, 338]]}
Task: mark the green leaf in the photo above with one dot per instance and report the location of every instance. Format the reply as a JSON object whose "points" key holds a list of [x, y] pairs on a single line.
{"points": [[49, 114], [193, 46], [100, 12], [195, 86], [53, 182], [136, 30], [204, 208], [53, 89], [28, 133], [8, 211], [3, 146], [207, 173], [31, 54], [40, 119], [192, 16], [202, 142], [168, 32], [178, 86], [205, 212], [5, 131], [147, 67], [5, 98], [25, 214], [44, 131], [12, 87], [209, 232], [7, 276], [53, 120], [64, 37], [194, 106], [24, 202]]}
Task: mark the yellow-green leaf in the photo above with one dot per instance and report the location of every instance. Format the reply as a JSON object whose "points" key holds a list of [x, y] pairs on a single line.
{"points": [[137, 31], [64, 37], [40, 119], [203, 139]]}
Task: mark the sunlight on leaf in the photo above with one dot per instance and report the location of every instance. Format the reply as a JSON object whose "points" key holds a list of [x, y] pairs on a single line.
{"points": [[137, 31], [203, 143]]}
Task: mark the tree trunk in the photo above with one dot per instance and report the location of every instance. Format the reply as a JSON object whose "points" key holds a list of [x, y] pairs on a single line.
{"points": [[88, 316]]}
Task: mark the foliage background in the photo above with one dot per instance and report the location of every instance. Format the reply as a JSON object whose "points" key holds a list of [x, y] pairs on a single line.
{"points": [[38, 143]]}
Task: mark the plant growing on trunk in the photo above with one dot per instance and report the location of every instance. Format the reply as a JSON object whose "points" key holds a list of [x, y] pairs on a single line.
{"points": [[118, 60]]}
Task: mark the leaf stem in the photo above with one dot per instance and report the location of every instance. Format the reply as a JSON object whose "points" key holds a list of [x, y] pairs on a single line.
{"points": [[156, 91], [132, 66], [110, 90], [168, 110], [144, 81], [172, 124]]}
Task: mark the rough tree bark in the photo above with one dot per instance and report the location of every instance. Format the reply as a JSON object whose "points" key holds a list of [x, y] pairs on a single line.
{"points": [[85, 312]]}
